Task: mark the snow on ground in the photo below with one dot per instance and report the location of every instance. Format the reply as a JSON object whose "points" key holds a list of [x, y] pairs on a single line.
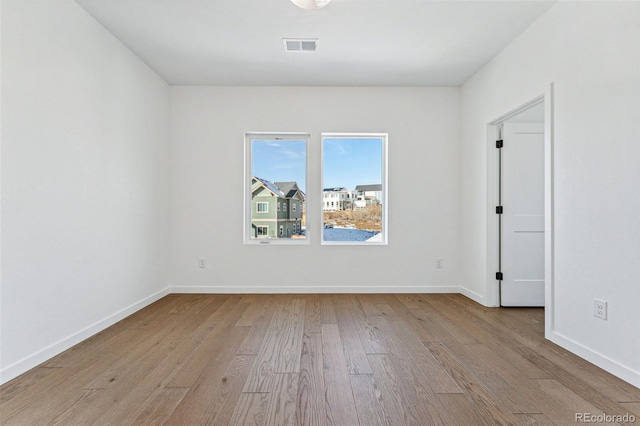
{"points": [[347, 234]]}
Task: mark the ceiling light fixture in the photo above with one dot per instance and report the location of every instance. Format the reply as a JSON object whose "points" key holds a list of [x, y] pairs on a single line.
{"points": [[311, 4]]}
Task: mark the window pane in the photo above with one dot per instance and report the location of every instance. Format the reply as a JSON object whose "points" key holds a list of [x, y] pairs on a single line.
{"points": [[277, 175], [354, 189]]}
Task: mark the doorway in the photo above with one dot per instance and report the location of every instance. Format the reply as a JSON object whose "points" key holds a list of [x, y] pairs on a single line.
{"points": [[520, 249]]}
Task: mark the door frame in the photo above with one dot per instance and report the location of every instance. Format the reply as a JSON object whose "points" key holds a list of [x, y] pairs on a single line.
{"points": [[493, 230]]}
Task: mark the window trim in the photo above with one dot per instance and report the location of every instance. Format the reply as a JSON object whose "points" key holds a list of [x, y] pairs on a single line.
{"points": [[259, 203], [385, 186], [247, 211]]}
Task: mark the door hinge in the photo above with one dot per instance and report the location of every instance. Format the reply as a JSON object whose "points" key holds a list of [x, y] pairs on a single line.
{"points": [[499, 210], [499, 143], [499, 276]]}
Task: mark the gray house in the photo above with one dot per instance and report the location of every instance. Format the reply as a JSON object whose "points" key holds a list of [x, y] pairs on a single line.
{"points": [[368, 195], [276, 209]]}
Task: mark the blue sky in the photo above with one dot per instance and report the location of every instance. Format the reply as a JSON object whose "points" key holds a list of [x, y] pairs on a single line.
{"points": [[346, 163], [351, 162], [280, 161]]}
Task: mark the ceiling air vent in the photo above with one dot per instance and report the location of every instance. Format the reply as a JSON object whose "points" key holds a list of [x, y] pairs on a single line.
{"points": [[300, 44]]}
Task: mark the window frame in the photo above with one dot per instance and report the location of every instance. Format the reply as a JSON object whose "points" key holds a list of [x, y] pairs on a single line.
{"points": [[247, 211], [384, 137]]}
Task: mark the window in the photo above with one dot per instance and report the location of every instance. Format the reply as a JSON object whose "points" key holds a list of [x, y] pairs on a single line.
{"points": [[262, 231], [294, 207], [357, 164], [275, 175]]}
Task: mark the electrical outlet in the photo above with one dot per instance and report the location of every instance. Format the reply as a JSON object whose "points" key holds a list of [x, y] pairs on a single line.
{"points": [[600, 309], [202, 263], [439, 263]]}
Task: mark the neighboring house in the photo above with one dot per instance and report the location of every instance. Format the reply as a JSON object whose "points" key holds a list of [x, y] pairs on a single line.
{"points": [[367, 195], [334, 199], [276, 209]]}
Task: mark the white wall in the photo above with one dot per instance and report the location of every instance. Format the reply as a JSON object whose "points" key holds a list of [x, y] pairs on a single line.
{"points": [[590, 51], [208, 126], [84, 181]]}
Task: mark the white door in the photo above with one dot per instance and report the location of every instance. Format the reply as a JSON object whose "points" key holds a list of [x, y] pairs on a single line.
{"points": [[522, 233]]}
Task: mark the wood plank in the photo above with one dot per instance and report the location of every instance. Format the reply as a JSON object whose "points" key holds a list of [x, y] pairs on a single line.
{"points": [[407, 300], [281, 409], [205, 397], [159, 409], [191, 305], [137, 348], [217, 324], [276, 407], [497, 353], [288, 350], [632, 408], [232, 388], [146, 383], [69, 407], [405, 345], [257, 308], [310, 408], [280, 348], [312, 314], [123, 403], [253, 341], [425, 329], [354, 353], [373, 342], [340, 405], [488, 406], [24, 383], [150, 314], [510, 397], [327, 314], [427, 311], [369, 304], [263, 367], [401, 400], [41, 395], [368, 400], [251, 409], [571, 402], [534, 419], [458, 409]]}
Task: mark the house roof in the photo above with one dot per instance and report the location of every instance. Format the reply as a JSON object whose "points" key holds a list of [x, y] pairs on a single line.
{"points": [[374, 187], [270, 186], [289, 189], [281, 189]]}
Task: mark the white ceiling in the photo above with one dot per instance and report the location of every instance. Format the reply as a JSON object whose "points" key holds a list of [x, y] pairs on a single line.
{"points": [[361, 42]]}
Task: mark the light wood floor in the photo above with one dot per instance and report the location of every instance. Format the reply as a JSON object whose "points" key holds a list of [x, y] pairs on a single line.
{"points": [[317, 360]]}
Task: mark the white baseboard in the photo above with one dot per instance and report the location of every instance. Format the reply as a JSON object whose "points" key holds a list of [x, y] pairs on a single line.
{"points": [[472, 295], [305, 290], [14, 370], [621, 371]]}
